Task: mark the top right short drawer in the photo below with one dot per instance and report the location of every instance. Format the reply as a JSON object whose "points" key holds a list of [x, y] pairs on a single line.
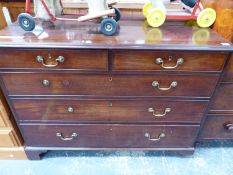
{"points": [[168, 61]]}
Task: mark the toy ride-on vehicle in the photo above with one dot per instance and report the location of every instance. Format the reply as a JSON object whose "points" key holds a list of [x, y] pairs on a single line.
{"points": [[106, 12], [156, 13]]}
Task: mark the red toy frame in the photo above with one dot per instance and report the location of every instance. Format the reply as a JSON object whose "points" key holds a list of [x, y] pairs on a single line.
{"points": [[187, 16]]}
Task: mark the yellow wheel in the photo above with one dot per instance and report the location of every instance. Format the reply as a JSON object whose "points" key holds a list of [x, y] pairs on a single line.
{"points": [[156, 17], [206, 18], [201, 36], [146, 8]]}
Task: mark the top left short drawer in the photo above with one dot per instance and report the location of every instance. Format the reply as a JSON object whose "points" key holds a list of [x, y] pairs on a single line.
{"points": [[52, 59]]}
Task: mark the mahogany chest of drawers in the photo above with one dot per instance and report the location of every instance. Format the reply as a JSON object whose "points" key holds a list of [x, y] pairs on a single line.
{"points": [[70, 87]]}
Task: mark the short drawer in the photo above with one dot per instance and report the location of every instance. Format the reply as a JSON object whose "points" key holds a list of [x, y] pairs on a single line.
{"points": [[8, 138], [119, 85], [218, 127], [109, 136], [158, 61], [108, 111], [54, 59], [223, 99]]}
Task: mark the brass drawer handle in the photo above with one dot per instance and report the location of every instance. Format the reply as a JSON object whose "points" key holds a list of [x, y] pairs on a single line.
{"points": [[160, 61], [147, 135], [228, 126], [70, 109], [46, 82], [59, 59], [153, 111], [156, 84], [60, 135]]}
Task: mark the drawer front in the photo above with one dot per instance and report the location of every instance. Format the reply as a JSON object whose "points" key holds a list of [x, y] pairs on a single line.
{"points": [[156, 61], [111, 111], [100, 85], [218, 127], [223, 99], [13, 154], [109, 136], [8, 139], [228, 76], [51, 59]]}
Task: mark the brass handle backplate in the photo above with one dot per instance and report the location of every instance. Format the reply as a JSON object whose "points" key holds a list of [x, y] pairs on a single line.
{"points": [[59, 59], [156, 84], [46, 82], [148, 136], [153, 111], [60, 135], [70, 109], [160, 61]]}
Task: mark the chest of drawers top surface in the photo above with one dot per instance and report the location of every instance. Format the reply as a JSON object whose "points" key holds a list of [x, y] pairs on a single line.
{"points": [[134, 34]]}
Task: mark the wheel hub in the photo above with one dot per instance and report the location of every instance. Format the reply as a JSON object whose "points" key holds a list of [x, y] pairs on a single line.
{"points": [[25, 22], [108, 27]]}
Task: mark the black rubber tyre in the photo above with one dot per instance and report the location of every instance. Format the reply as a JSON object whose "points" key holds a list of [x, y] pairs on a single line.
{"points": [[190, 3], [109, 26], [26, 21], [117, 16]]}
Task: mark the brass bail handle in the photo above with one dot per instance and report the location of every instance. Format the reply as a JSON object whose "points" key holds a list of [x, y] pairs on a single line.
{"points": [[156, 84], [60, 135], [160, 61], [148, 136], [59, 59], [153, 111]]}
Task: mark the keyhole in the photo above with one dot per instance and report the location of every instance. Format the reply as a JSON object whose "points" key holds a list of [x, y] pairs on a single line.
{"points": [[170, 58], [110, 104], [49, 56]]}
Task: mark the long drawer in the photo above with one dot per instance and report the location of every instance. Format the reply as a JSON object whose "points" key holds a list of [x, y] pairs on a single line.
{"points": [[157, 61], [218, 127], [54, 59], [8, 138], [109, 136], [108, 111], [223, 100], [117, 85]]}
